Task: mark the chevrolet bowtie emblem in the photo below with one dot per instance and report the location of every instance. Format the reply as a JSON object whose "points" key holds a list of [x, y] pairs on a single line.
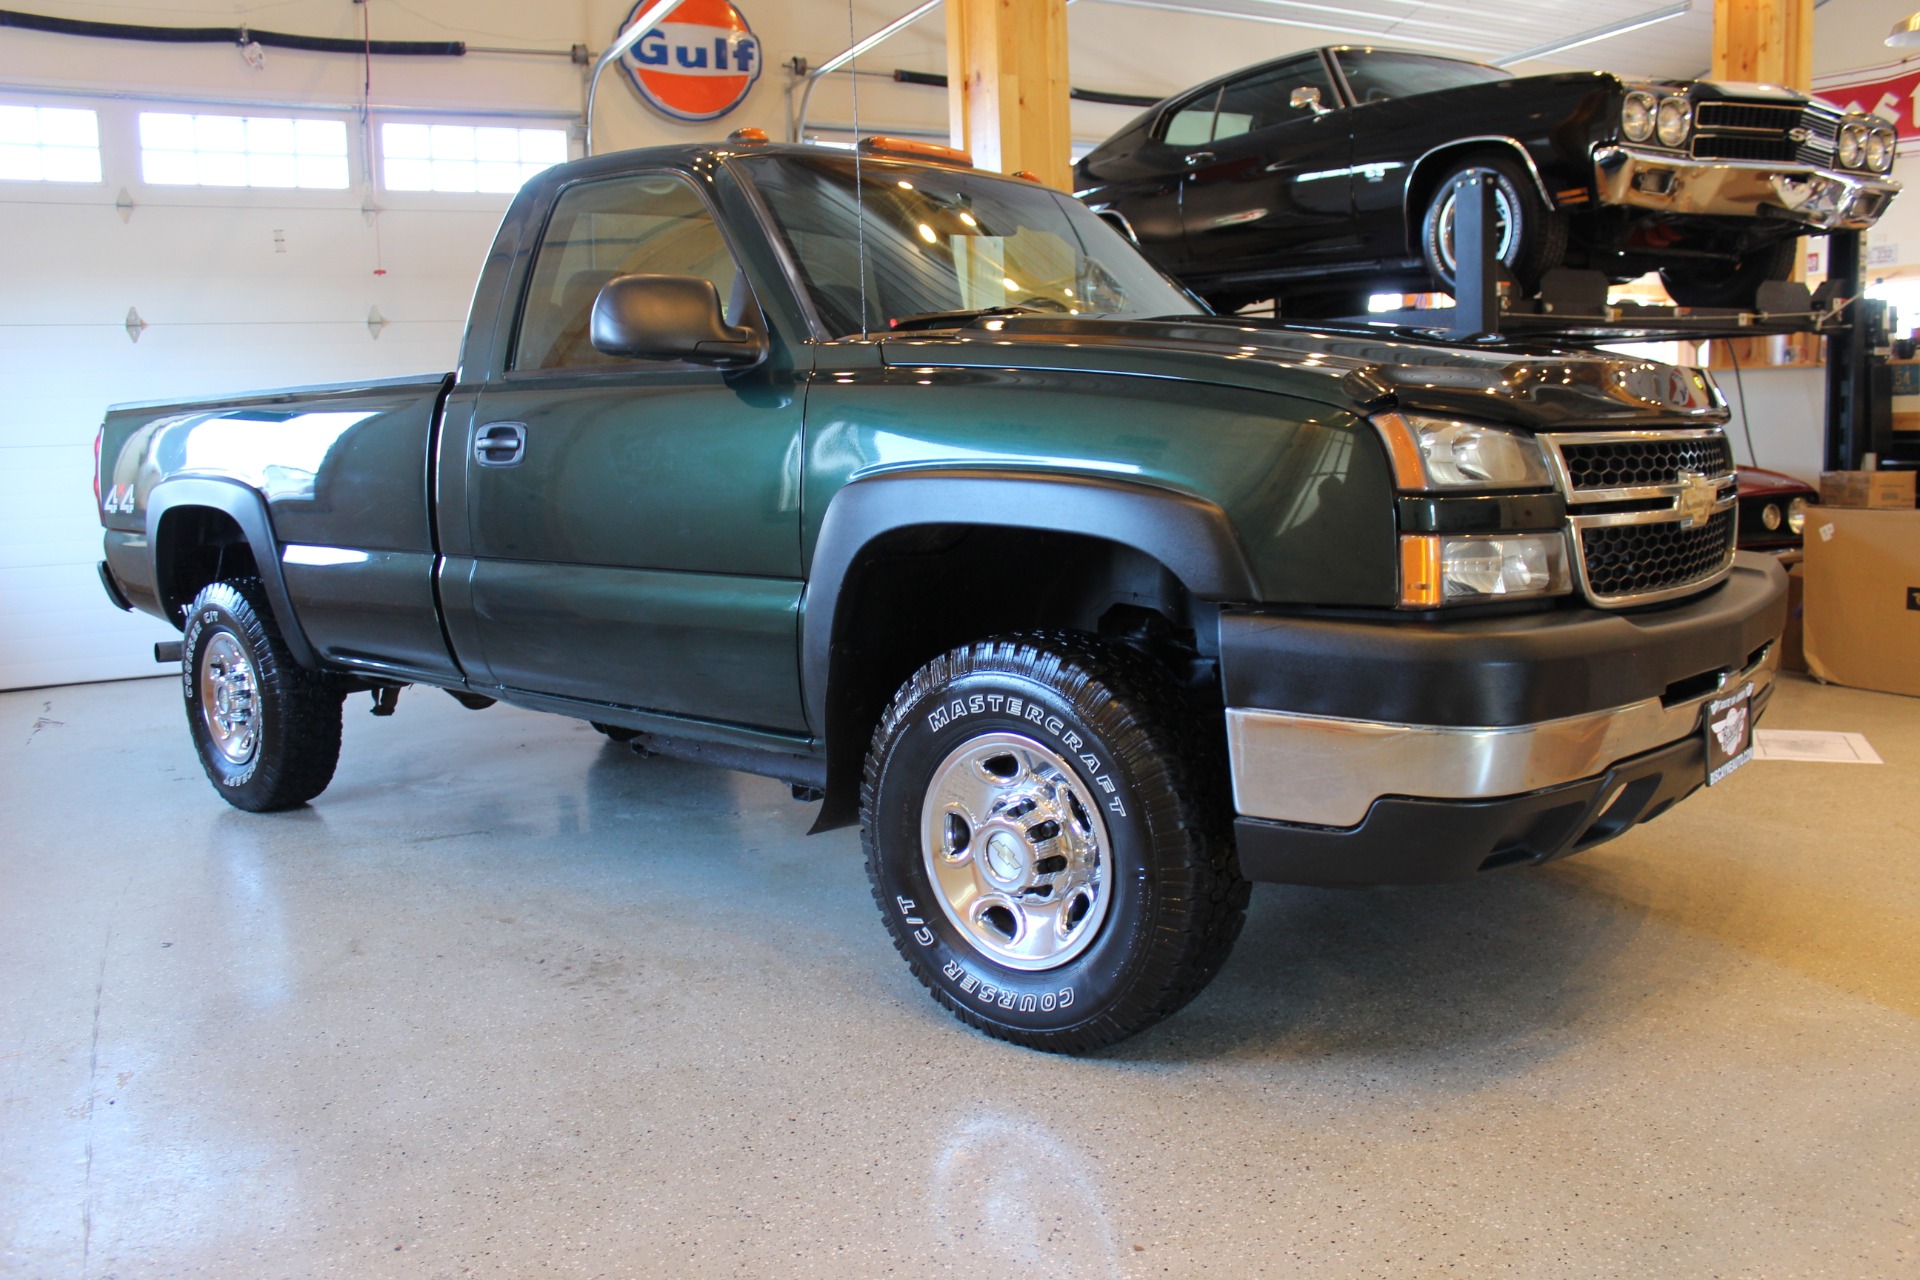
{"points": [[1696, 499]]}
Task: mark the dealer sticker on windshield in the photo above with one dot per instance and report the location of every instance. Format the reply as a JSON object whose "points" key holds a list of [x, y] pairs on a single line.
{"points": [[1729, 733]]}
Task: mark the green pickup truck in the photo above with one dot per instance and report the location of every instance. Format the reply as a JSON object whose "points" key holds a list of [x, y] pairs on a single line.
{"points": [[919, 489]]}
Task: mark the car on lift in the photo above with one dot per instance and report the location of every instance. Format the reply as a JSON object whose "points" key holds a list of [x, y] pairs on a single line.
{"points": [[1326, 176]]}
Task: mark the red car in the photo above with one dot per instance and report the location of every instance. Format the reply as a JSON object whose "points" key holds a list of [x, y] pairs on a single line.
{"points": [[1773, 511]]}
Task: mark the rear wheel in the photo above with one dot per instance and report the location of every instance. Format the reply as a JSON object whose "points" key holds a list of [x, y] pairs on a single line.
{"points": [[1530, 238], [266, 729], [1044, 825], [1731, 284]]}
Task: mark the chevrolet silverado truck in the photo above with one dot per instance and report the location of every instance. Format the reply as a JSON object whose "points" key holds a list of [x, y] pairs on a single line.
{"points": [[921, 490]]}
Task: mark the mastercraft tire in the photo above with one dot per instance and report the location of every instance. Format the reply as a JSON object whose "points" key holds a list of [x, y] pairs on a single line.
{"points": [[266, 729], [1044, 824], [1530, 238]]}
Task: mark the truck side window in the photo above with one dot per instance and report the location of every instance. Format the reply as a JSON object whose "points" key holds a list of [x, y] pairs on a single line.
{"points": [[653, 224]]}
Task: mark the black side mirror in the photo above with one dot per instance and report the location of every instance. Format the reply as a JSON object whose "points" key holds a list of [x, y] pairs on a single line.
{"points": [[671, 318]]}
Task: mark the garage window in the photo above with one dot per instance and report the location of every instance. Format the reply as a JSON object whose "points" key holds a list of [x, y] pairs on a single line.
{"points": [[49, 144], [459, 157], [242, 151]]}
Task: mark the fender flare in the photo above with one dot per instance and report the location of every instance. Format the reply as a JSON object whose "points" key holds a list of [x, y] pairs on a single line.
{"points": [[248, 509], [1193, 538]]}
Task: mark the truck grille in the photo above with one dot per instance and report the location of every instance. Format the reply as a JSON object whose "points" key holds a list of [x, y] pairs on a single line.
{"points": [[1638, 559], [1643, 460], [1652, 512]]}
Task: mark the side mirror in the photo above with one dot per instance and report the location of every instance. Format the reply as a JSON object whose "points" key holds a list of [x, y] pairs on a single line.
{"points": [[671, 318], [1307, 96]]}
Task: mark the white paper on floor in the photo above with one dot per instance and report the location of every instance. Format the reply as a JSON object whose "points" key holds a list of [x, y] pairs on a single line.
{"points": [[1813, 744]]}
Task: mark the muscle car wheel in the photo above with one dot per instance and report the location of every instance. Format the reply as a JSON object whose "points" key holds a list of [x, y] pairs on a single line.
{"points": [[1045, 831], [266, 729], [1531, 238], [1731, 284]]}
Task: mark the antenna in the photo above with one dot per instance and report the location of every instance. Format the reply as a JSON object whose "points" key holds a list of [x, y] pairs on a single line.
{"points": [[859, 187]]}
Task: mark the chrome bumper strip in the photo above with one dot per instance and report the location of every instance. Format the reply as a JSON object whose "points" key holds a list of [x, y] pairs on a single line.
{"points": [[1830, 199], [1326, 772]]}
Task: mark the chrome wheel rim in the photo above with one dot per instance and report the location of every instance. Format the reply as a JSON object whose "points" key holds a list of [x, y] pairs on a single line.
{"points": [[1017, 851], [1502, 217], [229, 698]]}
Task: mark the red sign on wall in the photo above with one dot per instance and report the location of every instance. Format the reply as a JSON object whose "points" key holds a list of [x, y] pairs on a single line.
{"points": [[1892, 92]]}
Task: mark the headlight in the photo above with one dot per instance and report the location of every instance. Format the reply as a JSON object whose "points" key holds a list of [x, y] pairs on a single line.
{"points": [[1471, 568], [1443, 453], [1636, 117], [1797, 515], [1674, 121], [1770, 516], [1880, 144], [1853, 145]]}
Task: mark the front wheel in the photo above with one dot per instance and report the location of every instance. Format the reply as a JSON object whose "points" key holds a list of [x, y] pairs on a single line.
{"points": [[1530, 238], [1044, 828], [266, 729]]}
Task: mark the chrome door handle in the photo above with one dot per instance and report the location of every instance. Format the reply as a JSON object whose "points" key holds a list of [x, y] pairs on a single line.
{"points": [[1198, 157], [500, 444]]}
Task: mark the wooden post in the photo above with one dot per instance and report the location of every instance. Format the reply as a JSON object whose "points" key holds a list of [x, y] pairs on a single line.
{"points": [[1770, 41], [1007, 85]]}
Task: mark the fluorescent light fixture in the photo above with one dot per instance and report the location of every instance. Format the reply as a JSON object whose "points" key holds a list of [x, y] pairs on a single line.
{"points": [[1619, 28]]}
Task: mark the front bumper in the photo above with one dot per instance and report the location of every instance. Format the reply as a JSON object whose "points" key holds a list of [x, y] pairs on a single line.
{"points": [[1825, 199], [1415, 753]]}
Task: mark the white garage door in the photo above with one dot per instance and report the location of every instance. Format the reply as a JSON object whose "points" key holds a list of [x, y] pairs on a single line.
{"points": [[238, 286]]}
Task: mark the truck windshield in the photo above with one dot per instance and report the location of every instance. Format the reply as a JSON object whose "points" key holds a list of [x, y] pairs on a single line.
{"points": [[947, 240]]}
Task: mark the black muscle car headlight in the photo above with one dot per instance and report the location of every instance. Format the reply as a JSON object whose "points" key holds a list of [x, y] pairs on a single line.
{"points": [[1475, 568], [1853, 145], [1444, 453], [1673, 121], [1797, 515], [1636, 116], [1880, 144]]}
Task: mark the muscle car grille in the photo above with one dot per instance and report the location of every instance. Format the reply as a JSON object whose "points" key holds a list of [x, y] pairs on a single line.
{"points": [[1630, 560], [1743, 147], [1640, 463], [1772, 117], [1764, 132]]}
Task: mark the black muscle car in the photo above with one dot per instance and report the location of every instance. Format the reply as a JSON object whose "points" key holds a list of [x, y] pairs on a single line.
{"points": [[1325, 176]]}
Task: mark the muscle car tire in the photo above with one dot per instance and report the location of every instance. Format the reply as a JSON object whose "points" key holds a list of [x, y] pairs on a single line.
{"points": [[1534, 238], [1044, 823], [267, 730], [1737, 285]]}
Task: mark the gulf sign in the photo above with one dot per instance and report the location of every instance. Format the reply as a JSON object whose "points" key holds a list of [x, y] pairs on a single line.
{"points": [[698, 64]]}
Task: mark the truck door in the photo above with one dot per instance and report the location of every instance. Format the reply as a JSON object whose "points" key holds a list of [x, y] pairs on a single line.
{"points": [[632, 526], [1270, 191]]}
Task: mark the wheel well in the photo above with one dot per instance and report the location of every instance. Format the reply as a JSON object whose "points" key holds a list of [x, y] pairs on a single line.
{"points": [[1430, 168], [914, 594], [196, 546]]}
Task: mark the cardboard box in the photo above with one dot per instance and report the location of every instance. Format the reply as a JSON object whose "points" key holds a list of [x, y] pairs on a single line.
{"points": [[1906, 394], [1863, 598], [1793, 652], [1879, 490]]}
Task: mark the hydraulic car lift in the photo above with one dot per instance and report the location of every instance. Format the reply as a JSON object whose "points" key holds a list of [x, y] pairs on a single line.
{"points": [[1573, 305]]}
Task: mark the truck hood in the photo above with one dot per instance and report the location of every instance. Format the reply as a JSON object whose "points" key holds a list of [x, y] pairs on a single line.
{"points": [[1364, 371]]}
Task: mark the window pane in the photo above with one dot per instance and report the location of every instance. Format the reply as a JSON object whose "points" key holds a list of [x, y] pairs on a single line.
{"points": [[409, 175], [543, 146], [1266, 99], [496, 144], [505, 178], [653, 223], [242, 151], [406, 141], [452, 142], [49, 144]]}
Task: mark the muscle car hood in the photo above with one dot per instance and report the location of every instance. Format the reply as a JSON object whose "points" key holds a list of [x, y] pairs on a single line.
{"points": [[1362, 371]]}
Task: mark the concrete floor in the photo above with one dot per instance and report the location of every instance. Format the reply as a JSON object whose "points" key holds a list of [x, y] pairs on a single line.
{"points": [[508, 1001]]}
